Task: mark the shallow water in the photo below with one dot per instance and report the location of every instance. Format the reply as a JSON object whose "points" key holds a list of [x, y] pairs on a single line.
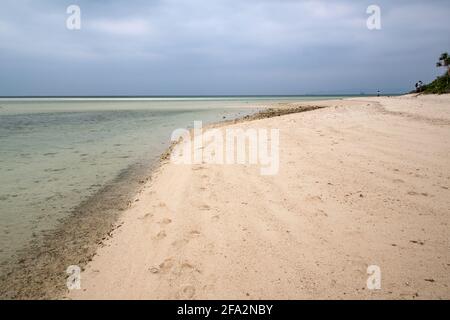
{"points": [[56, 153]]}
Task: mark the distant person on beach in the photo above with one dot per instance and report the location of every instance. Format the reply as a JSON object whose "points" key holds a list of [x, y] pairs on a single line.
{"points": [[419, 86]]}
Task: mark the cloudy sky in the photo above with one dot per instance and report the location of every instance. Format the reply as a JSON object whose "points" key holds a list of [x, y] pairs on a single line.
{"points": [[216, 47]]}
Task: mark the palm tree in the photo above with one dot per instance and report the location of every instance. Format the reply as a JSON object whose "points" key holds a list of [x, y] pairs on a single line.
{"points": [[444, 61]]}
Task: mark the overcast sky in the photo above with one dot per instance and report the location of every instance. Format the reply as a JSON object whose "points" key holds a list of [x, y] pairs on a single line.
{"points": [[214, 47]]}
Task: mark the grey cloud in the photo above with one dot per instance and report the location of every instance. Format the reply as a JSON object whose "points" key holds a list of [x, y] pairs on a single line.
{"points": [[218, 47]]}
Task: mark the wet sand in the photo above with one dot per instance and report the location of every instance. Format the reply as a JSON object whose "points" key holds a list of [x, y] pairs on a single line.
{"points": [[364, 181]]}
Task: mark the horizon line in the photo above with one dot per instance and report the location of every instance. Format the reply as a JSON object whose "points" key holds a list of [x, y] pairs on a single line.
{"points": [[200, 96]]}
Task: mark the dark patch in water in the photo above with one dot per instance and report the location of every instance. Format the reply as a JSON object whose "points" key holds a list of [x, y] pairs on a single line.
{"points": [[55, 170]]}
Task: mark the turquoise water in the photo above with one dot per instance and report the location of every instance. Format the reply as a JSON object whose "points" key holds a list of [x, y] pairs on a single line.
{"points": [[56, 153]]}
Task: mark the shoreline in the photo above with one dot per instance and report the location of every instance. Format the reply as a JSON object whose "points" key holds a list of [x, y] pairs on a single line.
{"points": [[77, 237], [198, 232], [73, 241]]}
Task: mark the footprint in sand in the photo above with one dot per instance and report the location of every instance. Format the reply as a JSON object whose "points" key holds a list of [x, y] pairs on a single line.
{"points": [[186, 266], [180, 243], [165, 221], [194, 233], [154, 270], [413, 193], [211, 248], [164, 267], [146, 216], [205, 207], [187, 292], [314, 199], [160, 235]]}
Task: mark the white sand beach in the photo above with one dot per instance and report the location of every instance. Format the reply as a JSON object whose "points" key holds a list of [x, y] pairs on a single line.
{"points": [[364, 181]]}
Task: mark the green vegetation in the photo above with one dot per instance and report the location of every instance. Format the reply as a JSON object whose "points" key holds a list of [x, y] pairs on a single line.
{"points": [[441, 84]]}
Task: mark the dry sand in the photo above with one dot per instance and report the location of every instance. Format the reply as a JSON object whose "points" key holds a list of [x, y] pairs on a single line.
{"points": [[363, 182]]}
